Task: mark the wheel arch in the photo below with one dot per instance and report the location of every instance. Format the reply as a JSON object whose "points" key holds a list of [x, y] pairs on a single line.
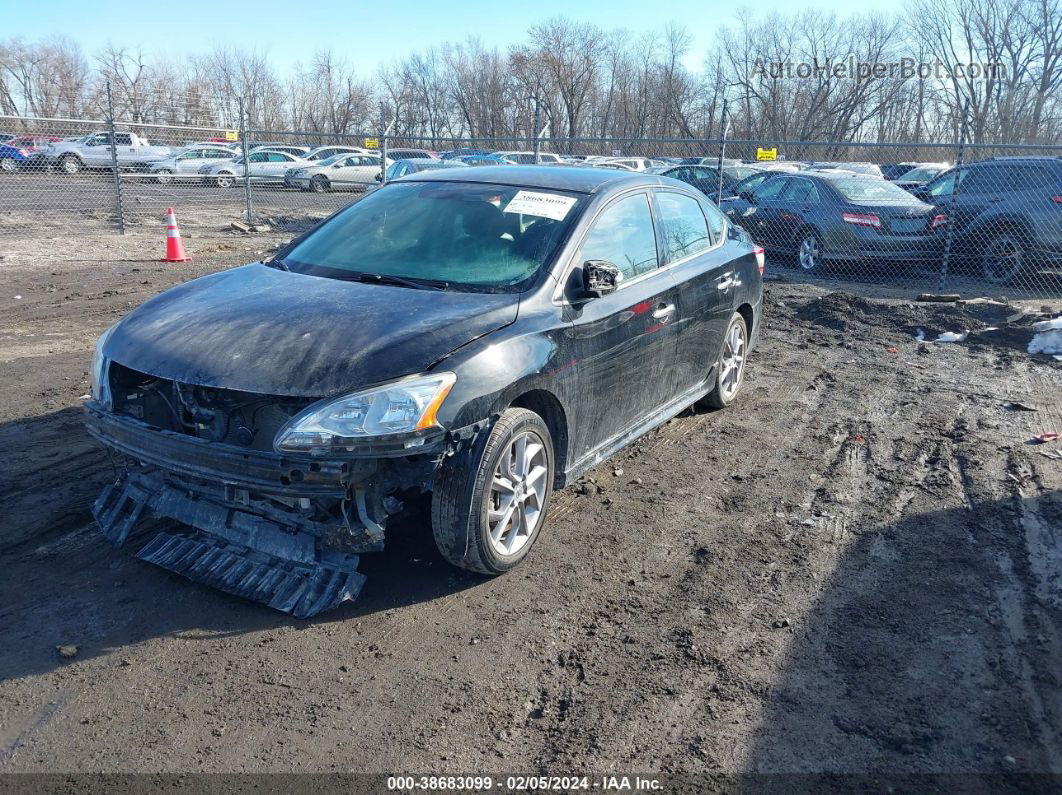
{"points": [[749, 315], [546, 405]]}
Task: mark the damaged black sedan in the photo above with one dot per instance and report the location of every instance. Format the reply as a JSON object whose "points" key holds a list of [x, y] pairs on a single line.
{"points": [[485, 335]]}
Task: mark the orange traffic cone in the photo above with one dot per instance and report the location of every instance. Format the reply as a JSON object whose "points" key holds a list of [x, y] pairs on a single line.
{"points": [[174, 246]]}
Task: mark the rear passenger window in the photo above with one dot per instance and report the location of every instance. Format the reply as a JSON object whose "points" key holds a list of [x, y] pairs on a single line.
{"points": [[801, 190], [716, 222], [624, 235], [682, 221]]}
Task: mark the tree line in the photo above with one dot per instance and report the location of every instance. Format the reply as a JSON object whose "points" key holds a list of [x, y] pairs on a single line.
{"points": [[781, 77]]}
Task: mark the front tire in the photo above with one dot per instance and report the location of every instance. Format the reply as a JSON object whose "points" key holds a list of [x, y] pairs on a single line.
{"points": [[319, 184], [488, 522], [730, 366], [164, 176], [1004, 258], [225, 180], [70, 164], [8, 165]]}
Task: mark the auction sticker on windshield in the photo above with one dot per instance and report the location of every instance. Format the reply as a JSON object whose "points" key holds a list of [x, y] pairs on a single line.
{"points": [[544, 205]]}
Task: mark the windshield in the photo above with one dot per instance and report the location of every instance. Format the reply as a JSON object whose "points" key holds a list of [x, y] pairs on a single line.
{"points": [[470, 236], [872, 191], [922, 173]]}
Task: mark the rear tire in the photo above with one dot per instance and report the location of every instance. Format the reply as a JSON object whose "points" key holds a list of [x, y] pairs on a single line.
{"points": [[730, 365], [809, 252], [1004, 258], [489, 506]]}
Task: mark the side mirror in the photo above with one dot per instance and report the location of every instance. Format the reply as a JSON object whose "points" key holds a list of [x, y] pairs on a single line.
{"points": [[600, 278]]}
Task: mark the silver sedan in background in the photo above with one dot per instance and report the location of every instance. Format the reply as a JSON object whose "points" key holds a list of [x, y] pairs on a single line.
{"points": [[265, 167], [340, 172], [187, 163]]}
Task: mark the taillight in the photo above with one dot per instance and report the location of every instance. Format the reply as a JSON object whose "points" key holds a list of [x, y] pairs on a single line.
{"points": [[938, 220], [1057, 199], [760, 259], [862, 219]]}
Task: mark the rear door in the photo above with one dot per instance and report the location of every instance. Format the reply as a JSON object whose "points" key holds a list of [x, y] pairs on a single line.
{"points": [[623, 343], [697, 258], [798, 204]]}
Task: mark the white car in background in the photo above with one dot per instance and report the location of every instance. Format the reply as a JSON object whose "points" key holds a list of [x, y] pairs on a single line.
{"points": [[329, 150], [263, 166], [628, 163], [339, 172], [186, 163], [528, 158]]}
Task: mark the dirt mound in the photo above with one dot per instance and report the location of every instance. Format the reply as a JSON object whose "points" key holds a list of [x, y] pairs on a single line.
{"points": [[844, 312]]}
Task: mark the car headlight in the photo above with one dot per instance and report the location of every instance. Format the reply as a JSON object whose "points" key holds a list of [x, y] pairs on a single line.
{"points": [[404, 406], [99, 387]]}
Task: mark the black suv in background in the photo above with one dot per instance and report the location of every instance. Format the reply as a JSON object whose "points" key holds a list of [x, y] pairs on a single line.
{"points": [[1007, 216]]}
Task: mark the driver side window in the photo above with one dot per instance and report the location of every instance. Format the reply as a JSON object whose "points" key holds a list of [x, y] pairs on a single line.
{"points": [[624, 235]]}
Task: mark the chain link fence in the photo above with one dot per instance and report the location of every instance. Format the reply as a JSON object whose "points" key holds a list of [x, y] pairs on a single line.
{"points": [[947, 217]]}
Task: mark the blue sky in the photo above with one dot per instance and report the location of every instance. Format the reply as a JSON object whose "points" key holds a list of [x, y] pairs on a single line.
{"points": [[367, 33]]}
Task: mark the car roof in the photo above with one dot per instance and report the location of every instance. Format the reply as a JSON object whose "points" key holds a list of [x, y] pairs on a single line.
{"points": [[575, 178]]}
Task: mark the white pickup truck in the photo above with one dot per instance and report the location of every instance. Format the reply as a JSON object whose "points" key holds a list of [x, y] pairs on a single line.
{"points": [[94, 151]]}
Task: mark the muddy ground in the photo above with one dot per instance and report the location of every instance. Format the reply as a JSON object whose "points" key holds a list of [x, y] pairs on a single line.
{"points": [[856, 568]]}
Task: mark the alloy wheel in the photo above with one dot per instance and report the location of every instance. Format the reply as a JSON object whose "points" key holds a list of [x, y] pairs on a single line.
{"points": [[8, 164], [733, 361], [808, 253], [226, 181], [165, 176], [1003, 260], [517, 493]]}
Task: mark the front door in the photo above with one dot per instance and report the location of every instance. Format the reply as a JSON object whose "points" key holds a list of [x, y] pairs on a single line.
{"points": [[622, 344]]}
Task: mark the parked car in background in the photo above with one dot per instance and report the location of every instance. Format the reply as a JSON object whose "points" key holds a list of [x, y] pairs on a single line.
{"points": [[403, 168], [465, 151], [5, 137], [483, 336], [833, 217], [480, 160], [291, 149], [745, 187], [264, 166], [703, 178], [870, 169], [95, 151], [630, 163], [329, 151], [920, 175], [33, 143], [185, 165], [12, 158], [404, 153], [1007, 215], [528, 158], [341, 172]]}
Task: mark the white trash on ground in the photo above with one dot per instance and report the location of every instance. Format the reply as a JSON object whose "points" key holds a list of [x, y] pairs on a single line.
{"points": [[1048, 338]]}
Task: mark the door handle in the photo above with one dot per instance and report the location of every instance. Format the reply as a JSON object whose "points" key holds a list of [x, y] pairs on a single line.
{"points": [[726, 282], [664, 312]]}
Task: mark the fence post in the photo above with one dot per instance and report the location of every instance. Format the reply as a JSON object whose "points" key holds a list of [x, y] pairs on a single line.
{"points": [[949, 233], [538, 140], [722, 149], [383, 145], [119, 208], [246, 165]]}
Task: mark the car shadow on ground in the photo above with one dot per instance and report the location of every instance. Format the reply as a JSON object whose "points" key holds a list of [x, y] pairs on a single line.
{"points": [[933, 648], [64, 584]]}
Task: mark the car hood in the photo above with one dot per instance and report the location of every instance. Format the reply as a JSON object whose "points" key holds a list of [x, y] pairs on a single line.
{"points": [[259, 329]]}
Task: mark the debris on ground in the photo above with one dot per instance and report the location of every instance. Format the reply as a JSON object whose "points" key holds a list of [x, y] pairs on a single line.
{"points": [[67, 650], [1048, 338]]}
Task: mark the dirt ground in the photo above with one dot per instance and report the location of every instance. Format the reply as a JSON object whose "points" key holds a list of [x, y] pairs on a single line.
{"points": [[857, 568]]}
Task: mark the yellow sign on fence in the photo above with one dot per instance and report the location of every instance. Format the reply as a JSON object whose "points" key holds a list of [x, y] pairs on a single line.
{"points": [[232, 135], [372, 143], [767, 154]]}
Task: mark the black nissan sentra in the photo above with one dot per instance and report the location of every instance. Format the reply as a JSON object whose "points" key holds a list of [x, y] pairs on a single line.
{"points": [[483, 334]]}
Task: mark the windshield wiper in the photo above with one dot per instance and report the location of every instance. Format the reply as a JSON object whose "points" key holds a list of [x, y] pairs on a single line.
{"points": [[401, 281], [276, 262]]}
